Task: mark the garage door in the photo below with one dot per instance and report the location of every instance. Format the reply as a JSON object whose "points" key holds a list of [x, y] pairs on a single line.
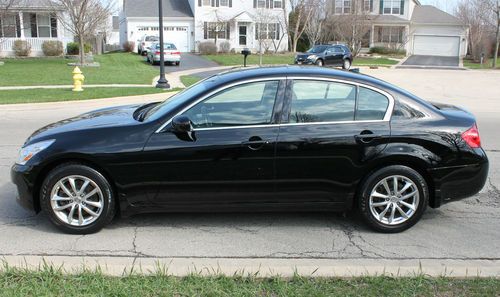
{"points": [[177, 35], [436, 45]]}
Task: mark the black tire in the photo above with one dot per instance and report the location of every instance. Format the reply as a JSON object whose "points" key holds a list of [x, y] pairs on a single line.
{"points": [[108, 202], [346, 64], [177, 63], [319, 63], [373, 180]]}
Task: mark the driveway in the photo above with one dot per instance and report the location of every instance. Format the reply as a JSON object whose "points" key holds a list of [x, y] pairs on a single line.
{"points": [[467, 230], [189, 61], [432, 61]]}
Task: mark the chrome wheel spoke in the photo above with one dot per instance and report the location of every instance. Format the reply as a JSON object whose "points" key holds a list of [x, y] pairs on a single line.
{"points": [[382, 214], [90, 194], [72, 183], [65, 190], [379, 195], [377, 204], [80, 215], [408, 195], [405, 187], [401, 212], [71, 213], [59, 198], [93, 203], [395, 184], [407, 205], [63, 207], [89, 211], [386, 187], [83, 187]]}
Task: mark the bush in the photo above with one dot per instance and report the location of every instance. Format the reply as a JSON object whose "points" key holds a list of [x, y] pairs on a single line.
{"points": [[21, 48], [73, 48], [129, 46], [52, 48], [386, 51], [207, 48], [224, 47]]}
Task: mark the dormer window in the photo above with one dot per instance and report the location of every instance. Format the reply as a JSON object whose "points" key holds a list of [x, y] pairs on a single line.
{"points": [[207, 2], [277, 3], [343, 6], [392, 6], [224, 2], [261, 3], [367, 5]]}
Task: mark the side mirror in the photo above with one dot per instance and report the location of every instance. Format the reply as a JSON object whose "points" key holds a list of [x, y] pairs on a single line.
{"points": [[183, 128]]}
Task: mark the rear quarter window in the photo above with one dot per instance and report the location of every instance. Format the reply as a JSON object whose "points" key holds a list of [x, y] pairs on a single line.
{"points": [[371, 105]]}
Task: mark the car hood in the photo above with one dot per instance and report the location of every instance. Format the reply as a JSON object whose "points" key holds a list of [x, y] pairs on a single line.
{"points": [[303, 55], [101, 118]]}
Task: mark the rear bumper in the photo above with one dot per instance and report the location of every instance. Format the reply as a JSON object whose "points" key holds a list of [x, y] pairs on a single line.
{"points": [[456, 183], [168, 58], [21, 177]]}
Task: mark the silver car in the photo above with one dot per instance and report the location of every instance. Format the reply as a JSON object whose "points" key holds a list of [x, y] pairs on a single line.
{"points": [[145, 43], [171, 54]]}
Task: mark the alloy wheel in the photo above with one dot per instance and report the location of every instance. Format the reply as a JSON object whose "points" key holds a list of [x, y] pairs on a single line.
{"points": [[394, 200], [347, 64], [77, 200]]}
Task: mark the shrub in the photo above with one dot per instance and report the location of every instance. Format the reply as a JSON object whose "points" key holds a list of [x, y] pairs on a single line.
{"points": [[224, 47], [386, 51], [21, 48], [207, 48], [129, 46], [73, 48], [52, 48]]}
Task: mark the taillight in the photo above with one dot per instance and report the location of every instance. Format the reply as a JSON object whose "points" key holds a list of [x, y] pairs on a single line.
{"points": [[157, 53], [176, 53], [472, 138]]}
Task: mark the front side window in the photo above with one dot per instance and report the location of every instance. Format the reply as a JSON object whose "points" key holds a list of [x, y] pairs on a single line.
{"points": [[392, 6], [320, 101], [371, 105], [343, 6], [242, 105]]}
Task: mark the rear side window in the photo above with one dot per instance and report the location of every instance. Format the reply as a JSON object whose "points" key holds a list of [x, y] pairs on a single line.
{"points": [[323, 101], [320, 101], [371, 105]]}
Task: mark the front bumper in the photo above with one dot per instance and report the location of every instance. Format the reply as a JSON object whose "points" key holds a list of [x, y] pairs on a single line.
{"points": [[457, 183], [22, 178], [304, 62]]}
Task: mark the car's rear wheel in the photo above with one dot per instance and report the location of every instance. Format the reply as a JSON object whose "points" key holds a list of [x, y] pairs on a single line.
{"points": [[177, 63], [319, 62], [77, 198], [347, 64], [393, 199]]}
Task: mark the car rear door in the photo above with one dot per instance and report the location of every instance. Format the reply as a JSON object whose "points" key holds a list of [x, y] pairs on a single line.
{"points": [[229, 159], [329, 134]]}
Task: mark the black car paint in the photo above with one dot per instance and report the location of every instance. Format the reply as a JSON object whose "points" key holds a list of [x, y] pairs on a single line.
{"points": [[297, 167], [333, 55]]}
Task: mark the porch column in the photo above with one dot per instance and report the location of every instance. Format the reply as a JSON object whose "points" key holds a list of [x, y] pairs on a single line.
{"points": [[21, 25], [372, 36]]}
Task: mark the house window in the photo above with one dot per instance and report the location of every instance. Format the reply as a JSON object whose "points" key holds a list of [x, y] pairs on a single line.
{"points": [[392, 6], [277, 4], [261, 3], [43, 25], [8, 26], [224, 2], [218, 29], [207, 3], [342, 6], [391, 34], [367, 5], [266, 31]]}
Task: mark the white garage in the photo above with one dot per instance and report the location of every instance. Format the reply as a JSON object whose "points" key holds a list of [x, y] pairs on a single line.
{"points": [[178, 35], [431, 45]]}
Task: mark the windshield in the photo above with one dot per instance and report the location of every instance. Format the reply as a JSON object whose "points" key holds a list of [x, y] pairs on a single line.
{"points": [[176, 100], [151, 38], [317, 49]]}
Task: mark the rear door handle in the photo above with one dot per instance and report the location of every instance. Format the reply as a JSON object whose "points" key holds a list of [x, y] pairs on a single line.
{"points": [[255, 143], [367, 136]]}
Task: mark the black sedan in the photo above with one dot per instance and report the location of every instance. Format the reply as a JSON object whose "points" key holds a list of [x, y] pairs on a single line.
{"points": [[266, 139], [330, 55]]}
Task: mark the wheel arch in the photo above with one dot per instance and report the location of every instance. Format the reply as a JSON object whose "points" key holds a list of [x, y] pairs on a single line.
{"points": [[419, 165], [48, 167]]}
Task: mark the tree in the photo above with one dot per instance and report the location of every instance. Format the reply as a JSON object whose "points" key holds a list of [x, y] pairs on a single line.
{"points": [[494, 6], [473, 14], [5, 11], [350, 29], [83, 19], [301, 14], [313, 28]]}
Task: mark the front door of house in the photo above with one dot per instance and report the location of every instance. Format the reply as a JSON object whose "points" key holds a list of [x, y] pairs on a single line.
{"points": [[243, 34]]}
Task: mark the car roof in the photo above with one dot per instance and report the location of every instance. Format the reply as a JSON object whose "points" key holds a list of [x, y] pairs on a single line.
{"points": [[249, 73]]}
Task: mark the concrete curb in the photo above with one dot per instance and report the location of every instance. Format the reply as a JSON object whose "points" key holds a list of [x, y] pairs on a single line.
{"points": [[117, 266], [71, 86]]}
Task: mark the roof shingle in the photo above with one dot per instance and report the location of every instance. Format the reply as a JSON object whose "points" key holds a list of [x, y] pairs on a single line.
{"points": [[428, 14], [149, 8]]}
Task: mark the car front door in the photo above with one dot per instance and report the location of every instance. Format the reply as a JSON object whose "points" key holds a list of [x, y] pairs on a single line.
{"points": [[330, 131], [228, 159]]}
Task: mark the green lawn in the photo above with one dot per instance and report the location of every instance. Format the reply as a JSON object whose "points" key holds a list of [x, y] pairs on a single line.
{"points": [[51, 95], [235, 59], [116, 68], [51, 282], [473, 65], [188, 80]]}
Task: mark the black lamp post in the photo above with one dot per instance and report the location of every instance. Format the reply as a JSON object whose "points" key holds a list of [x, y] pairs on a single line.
{"points": [[162, 82]]}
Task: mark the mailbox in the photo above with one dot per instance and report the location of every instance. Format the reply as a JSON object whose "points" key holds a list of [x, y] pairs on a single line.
{"points": [[245, 52]]}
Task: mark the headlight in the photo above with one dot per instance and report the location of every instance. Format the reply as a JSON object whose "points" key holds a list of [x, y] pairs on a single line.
{"points": [[312, 57], [26, 153]]}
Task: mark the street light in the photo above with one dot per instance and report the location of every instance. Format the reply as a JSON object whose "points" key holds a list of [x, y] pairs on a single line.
{"points": [[162, 82]]}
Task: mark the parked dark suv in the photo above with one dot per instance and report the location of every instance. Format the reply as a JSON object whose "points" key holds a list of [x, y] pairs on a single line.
{"points": [[333, 55]]}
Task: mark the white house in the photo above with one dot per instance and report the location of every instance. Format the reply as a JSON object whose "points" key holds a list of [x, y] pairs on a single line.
{"points": [[419, 29], [253, 24], [33, 21]]}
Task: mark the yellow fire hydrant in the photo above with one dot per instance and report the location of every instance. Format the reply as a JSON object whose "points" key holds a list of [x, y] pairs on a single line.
{"points": [[78, 79]]}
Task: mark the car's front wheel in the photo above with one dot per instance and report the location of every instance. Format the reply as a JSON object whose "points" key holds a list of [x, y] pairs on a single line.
{"points": [[393, 199], [77, 198], [319, 62]]}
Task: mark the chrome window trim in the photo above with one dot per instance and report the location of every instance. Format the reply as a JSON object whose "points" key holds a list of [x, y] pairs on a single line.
{"points": [[387, 116]]}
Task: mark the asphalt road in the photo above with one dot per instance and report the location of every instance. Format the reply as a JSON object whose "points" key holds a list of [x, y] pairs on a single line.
{"points": [[468, 229], [188, 61]]}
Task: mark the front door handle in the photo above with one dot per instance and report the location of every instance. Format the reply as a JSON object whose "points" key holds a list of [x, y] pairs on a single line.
{"points": [[255, 143], [367, 136]]}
